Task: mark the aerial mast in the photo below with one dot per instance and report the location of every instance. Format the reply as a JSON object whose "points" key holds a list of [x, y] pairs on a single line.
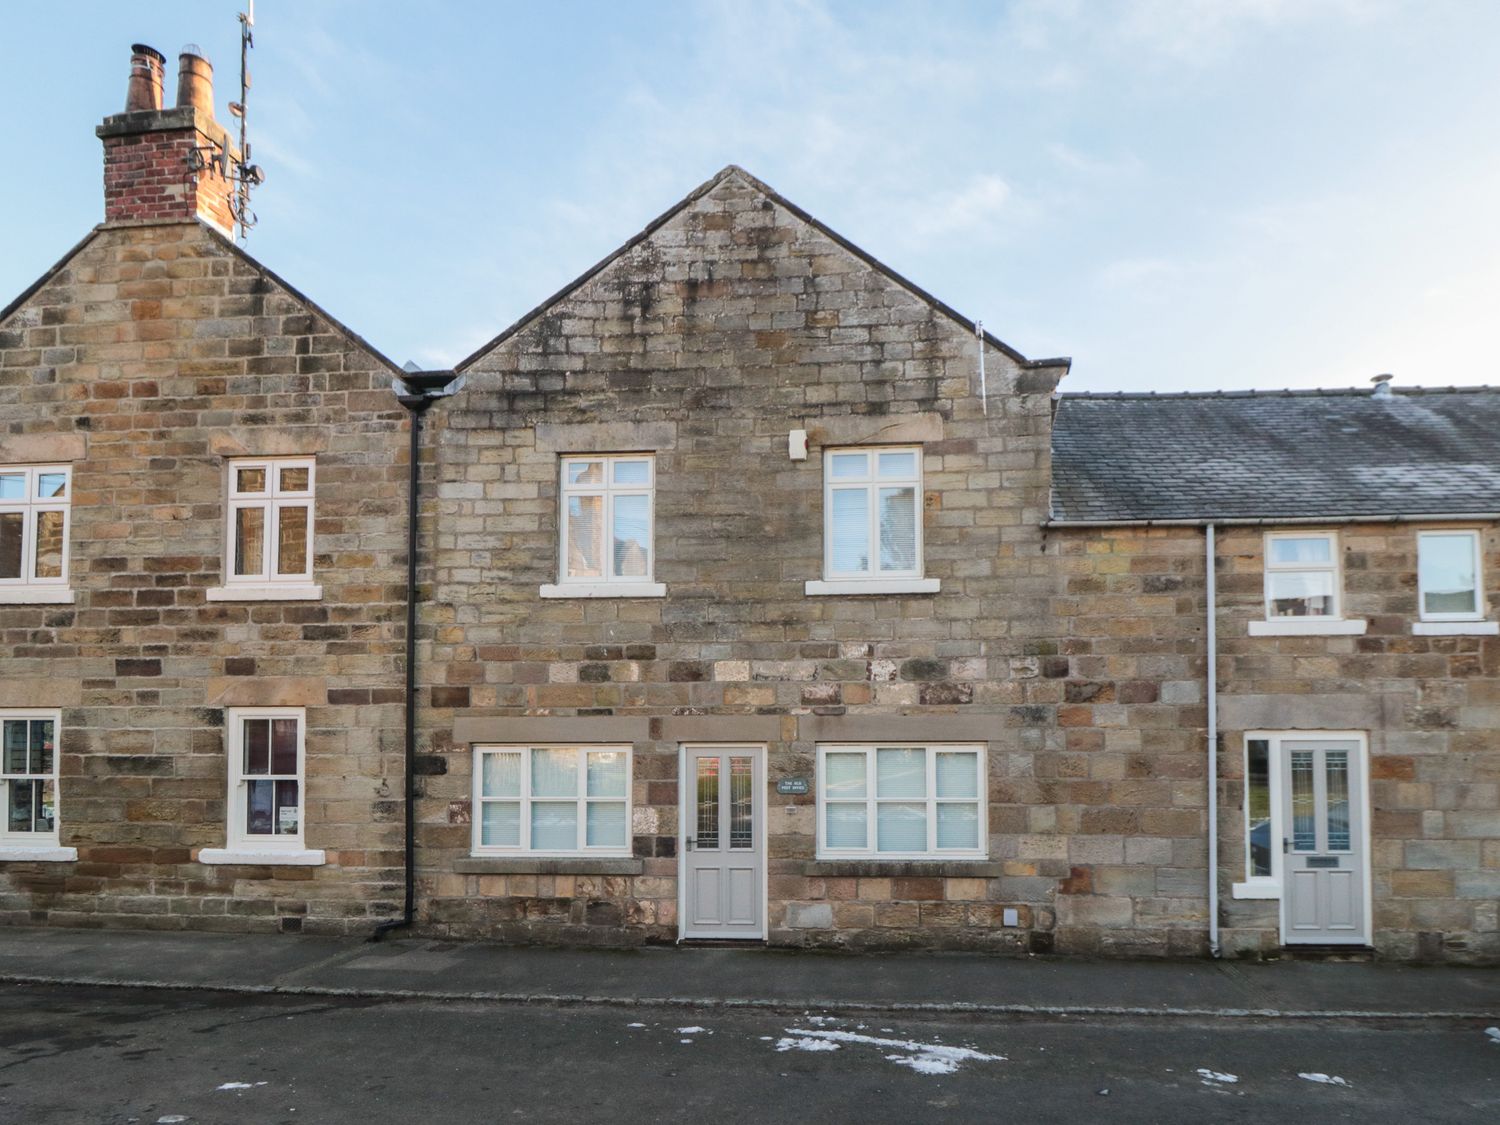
{"points": [[246, 175]]}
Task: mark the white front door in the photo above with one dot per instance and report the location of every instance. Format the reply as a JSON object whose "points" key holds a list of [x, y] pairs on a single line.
{"points": [[1325, 865], [722, 842]]}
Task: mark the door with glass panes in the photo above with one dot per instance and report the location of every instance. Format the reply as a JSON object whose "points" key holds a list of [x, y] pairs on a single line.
{"points": [[723, 842], [1325, 867]]}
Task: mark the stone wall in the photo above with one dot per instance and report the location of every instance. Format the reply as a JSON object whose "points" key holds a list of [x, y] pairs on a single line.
{"points": [[707, 341], [1431, 708], [153, 354]]}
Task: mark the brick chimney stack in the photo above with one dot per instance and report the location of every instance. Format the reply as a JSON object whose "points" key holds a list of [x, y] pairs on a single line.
{"points": [[161, 164]]}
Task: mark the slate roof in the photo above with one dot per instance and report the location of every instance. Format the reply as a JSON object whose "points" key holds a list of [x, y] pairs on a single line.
{"points": [[1324, 454]]}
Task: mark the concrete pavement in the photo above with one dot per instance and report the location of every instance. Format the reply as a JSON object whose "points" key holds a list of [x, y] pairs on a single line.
{"points": [[754, 978]]}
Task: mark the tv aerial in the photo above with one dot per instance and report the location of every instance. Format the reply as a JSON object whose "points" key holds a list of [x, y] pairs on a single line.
{"points": [[244, 174]]}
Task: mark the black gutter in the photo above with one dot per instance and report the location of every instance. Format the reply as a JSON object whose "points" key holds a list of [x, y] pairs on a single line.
{"points": [[430, 383]]}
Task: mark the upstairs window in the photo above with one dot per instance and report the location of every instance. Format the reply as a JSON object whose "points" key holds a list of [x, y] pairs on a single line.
{"points": [[1448, 575], [872, 524], [270, 522], [34, 501], [1302, 575], [606, 524], [28, 778]]}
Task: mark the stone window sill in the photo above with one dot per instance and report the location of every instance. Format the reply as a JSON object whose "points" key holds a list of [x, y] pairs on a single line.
{"points": [[31, 853], [1257, 888], [1309, 627], [604, 590], [845, 587], [35, 595], [978, 868], [547, 865], [287, 593], [264, 857], [1455, 628]]}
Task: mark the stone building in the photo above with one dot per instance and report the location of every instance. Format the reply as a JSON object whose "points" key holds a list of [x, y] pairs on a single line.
{"points": [[202, 567], [758, 595], [1356, 565]]}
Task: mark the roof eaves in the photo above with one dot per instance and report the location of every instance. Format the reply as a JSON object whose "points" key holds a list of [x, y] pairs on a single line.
{"points": [[339, 326], [598, 267], [57, 267], [781, 201], [1286, 392], [876, 264]]}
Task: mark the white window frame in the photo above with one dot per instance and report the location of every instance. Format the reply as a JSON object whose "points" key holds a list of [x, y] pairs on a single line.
{"points": [[28, 588], [609, 584], [242, 846], [1262, 886], [269, 584], [1270, 887], [1476, 545], [34, 846], [871, 800], [582, 799], [875, 580], [1327, 624]]}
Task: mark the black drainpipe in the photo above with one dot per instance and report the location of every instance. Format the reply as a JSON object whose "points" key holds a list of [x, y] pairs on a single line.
{"points": [[416, 405]]}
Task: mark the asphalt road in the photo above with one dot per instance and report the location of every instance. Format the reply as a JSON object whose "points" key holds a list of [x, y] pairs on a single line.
{"points": [[85, 1055]]}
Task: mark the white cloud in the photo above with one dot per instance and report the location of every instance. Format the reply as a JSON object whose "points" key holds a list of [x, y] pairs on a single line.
{"points": [[972, 211], [1125, 166]]}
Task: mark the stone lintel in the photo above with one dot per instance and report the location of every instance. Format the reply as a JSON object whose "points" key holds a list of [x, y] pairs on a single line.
{"points": [[915, 729], [559, 728], [529, 865], [41, 694], [40, 449], [888, 429], [720, 728], [266, 691], [605, 437], [1309, 712], [899, 869], [268, 441]]}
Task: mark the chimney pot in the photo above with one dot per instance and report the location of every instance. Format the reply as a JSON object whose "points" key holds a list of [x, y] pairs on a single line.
{"points": [[1382, 385], [146, 69], [195, 81]]}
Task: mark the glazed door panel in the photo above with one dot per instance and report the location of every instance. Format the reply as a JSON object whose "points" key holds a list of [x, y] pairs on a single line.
{"points": [[723, 842], [1326, 870]]}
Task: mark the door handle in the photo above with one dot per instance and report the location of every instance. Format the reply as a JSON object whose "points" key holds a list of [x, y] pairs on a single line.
{"points": [[689, 841], [1286, 845]]}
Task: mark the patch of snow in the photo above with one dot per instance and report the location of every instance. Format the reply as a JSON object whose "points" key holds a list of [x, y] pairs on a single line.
{"points": [[1493, 1033], [692, 1031], [1325, 1079], [171, 1119], [239, 1085], [684, 1040], [1215, 1077], [924, 1058], [635, 1025], [924, 1064], [804, 1043]]}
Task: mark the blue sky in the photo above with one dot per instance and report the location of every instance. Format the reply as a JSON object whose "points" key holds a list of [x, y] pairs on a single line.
{"points": [[1179, 194]]}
